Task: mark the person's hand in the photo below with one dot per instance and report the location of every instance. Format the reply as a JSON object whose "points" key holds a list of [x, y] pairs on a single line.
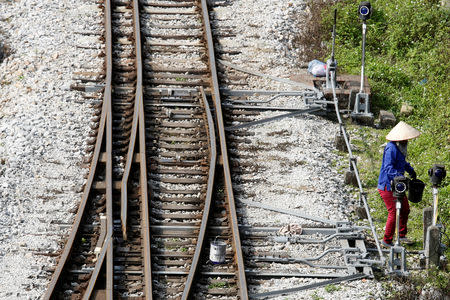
{"points": [[413, 174]]}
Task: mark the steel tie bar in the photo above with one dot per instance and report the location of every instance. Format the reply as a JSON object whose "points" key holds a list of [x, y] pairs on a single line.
{"points": [[307, 287]]}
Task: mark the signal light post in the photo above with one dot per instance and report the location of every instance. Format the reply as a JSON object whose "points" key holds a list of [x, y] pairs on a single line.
{"points": [[397, 254], [432, 243], [361, 108]]}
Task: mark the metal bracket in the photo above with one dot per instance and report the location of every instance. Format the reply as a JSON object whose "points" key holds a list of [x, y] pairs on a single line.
{"points": [[397, 261], [362, 106], [331, 67], [262, 121]]}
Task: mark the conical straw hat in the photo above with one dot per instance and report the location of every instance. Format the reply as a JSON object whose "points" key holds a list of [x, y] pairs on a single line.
{"points": [[402, 132]]}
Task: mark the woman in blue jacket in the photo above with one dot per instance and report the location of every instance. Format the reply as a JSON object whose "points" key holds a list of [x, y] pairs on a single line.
{"points": [[394, 164]]}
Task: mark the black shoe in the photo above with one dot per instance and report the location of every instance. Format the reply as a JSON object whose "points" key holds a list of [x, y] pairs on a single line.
{"points": [[387, 245]]}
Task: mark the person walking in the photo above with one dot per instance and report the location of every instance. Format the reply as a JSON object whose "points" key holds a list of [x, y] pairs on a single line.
{"points": [[394, 164]]}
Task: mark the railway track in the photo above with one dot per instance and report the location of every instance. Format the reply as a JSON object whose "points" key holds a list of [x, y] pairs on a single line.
{"points": [[160, 188], [141, 226]]}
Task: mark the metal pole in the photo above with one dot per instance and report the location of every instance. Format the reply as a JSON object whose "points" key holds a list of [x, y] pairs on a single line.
{"points": [[435, 205], [334, 36], [361, 89], [398, 206]]}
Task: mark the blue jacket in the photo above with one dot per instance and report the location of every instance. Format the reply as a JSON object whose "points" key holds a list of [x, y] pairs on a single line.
{"points": [[394, 164]]}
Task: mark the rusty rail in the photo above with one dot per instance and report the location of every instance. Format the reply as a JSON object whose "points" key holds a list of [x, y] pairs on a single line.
{"points": [[104, 129], [109, 183], [145, 218], [223, 146], [209, 191]]}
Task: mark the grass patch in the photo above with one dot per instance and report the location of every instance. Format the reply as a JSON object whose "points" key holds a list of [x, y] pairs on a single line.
{"points": [[330, 288], [432, 284], [315, 296], [218, 285]]}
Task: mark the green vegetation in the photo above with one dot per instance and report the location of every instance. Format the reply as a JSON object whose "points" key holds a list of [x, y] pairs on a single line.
{"points": [[315, 296], [330, 288], [218, 285], [407, 61], [413, 286]]}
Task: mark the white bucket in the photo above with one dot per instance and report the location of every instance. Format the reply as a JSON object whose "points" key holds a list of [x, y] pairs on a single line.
{"points": [[217, 252]]}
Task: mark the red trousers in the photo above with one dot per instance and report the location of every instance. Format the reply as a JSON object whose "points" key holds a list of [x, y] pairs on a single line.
{"points": [[389, 201]]}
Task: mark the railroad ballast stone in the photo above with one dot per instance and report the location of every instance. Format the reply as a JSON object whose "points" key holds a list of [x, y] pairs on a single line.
{"points": [[43, 128], [294, 170]]}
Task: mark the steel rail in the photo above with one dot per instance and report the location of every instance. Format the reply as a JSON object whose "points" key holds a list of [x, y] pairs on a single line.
{"points": [[109, 167], [297, 240], [209, 191], [262, 108], [298, 261], [255, 273], [247, 93], [145, 214], [132, 144], [223, 147], [98, 145], [353, 165], [81, 209], [127, 169], [270, 119], [289, 212], [95, 272]]}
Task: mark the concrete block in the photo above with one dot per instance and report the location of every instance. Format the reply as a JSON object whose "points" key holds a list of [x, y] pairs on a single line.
{"points": [[361, 212], [387, 119], [350, 178], [433, 246], [339, 143]]}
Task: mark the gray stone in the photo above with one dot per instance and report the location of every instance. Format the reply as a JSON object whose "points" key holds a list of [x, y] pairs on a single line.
{"points": [[406, 109], [387, 119]]}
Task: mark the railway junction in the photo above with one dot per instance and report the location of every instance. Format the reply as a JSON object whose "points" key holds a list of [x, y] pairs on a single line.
{"points": [[202, 177]]}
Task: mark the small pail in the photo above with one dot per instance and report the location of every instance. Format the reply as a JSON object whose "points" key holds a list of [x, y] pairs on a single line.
{"points": [[415, 193], [217, 252]]}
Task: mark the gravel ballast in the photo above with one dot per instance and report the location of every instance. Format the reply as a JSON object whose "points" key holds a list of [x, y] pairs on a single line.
{"points": [[44, 126]]}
